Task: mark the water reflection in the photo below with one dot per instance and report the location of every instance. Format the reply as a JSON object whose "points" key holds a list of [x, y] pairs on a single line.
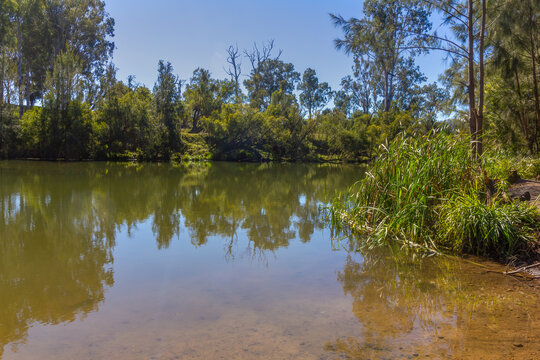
{"points": [[55, 251], [58, 223], [437, 307]]}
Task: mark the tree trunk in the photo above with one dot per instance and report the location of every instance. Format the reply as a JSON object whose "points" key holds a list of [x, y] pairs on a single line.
{"points": [[480, 111], [19, 66], [386, 92], [535, 85], [2, 69], [531, 138], [521, 114], [470, 90], [195, 124], [28, 91]]}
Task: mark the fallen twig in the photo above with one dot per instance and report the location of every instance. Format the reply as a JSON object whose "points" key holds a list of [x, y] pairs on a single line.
{"points": [[521, 269]]}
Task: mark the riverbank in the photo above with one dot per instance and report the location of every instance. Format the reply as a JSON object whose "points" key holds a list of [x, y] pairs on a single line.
{"points": [[426, 194]]}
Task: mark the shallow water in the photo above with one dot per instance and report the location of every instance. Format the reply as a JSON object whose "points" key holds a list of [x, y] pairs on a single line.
{"points": [[151, 261]]}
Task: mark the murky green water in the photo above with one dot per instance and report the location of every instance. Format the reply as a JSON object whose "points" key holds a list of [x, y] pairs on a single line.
{"points": [[228, 261]]}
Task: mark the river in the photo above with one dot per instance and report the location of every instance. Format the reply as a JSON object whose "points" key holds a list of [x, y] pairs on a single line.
{"points": [[226, 260]]}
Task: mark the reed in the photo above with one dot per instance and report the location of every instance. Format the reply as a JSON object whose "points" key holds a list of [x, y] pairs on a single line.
{"points": [[425, 192]]}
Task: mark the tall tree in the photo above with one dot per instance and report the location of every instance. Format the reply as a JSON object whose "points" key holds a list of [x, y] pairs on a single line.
{"points": [[355, 94], [467, 21], [44, 29], [514, 36], [205, 95], [235, 70], [7, 14], [383, 41], [314, 95], [268, 74], [167, 97], [64, 119]]}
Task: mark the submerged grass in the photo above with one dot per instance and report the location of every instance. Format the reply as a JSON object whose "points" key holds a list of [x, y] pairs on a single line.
{"points": [[426, 193]]}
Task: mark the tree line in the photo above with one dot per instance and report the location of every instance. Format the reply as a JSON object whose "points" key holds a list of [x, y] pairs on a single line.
{"points": [[60, 96]]}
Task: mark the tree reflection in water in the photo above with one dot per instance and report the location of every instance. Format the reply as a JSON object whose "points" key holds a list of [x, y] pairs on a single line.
{"points": [[58, 223], [439, 307]]}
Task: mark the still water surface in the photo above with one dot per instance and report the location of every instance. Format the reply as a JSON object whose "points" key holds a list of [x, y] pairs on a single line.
{"points": [[151, 261]]}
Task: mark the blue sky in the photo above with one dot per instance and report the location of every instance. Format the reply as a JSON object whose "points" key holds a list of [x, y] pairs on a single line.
{"points": [[195, 33]]}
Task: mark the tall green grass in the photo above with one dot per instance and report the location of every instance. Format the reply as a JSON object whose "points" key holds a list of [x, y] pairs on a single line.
{"points": [[498, 230], [426, 193], [500, 166]]}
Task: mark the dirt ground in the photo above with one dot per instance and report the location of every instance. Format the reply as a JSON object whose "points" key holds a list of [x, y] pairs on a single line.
{"points": [[518, 190], [524, 186]]}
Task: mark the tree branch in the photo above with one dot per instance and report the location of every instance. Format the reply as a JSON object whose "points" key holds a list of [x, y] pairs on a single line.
{"points": [[447, 12], [438, 48]]}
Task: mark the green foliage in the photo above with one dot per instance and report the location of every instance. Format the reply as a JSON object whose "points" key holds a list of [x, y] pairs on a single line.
{"points": [[340, 137], [196, 148], [9, 130], [383, 43], [167, 98], [314, 94], [126, 125], [237, 131], [513, 102], [501, 165], [31, 132], [422, 192], [205, 95], [51, 132], [287, 130], [469, 225], [62, 128], [267, 76]]}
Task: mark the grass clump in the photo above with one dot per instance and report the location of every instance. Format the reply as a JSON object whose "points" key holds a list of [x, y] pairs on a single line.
{"points": [[425, 193], [498, 230], [500, 166]]}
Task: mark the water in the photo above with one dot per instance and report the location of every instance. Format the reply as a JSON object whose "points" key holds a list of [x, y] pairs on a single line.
{"points": [[151, 261]]}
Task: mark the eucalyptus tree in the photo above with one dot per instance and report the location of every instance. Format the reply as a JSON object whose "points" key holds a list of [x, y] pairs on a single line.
{"points": [[383, 41], [7, 12], [125, 122], [204, 95], [166, 98], [44, 29], [515, 37], [392, 31], [199, 96], [65, 121], [466, 20], [314, 95], [235, 70], [87, 28], [353, 95], [7, 8], [268, 75]]}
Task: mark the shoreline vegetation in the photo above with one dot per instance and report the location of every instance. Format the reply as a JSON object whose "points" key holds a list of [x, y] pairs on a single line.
{"points": [[426, 193]]}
